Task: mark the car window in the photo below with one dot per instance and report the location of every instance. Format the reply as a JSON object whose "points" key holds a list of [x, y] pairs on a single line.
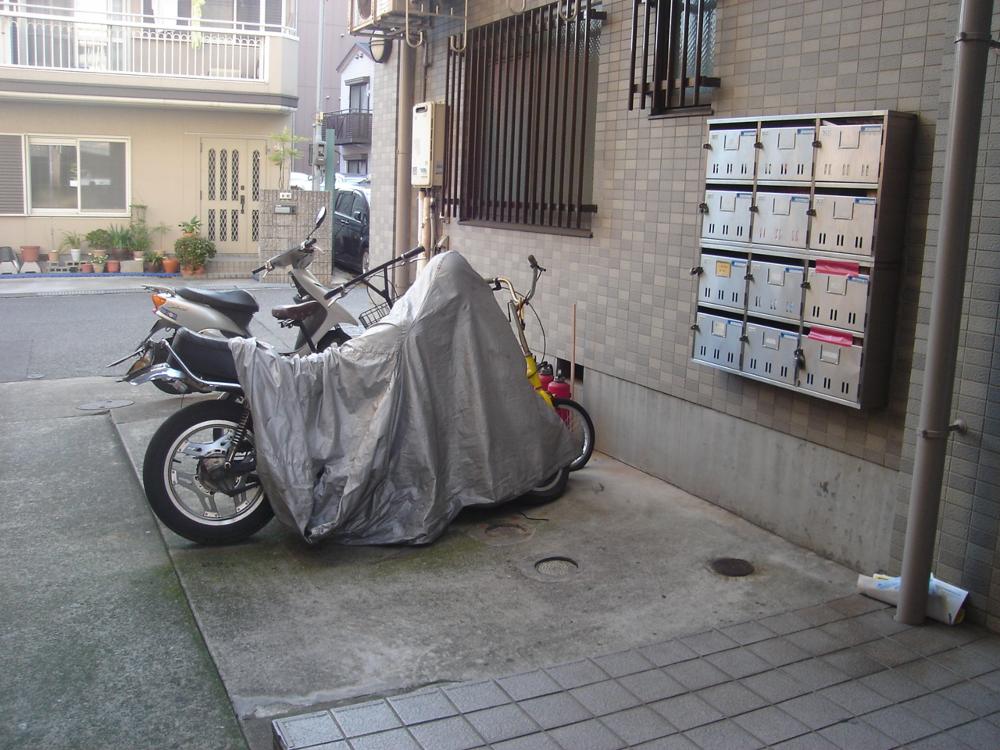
{"points": [[360, 205], [343, 205]]}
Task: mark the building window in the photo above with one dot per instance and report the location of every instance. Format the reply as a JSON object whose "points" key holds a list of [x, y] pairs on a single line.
{"points": [[672, 60], [358, 99], [357, 166], [84, 175], [522, 103]]}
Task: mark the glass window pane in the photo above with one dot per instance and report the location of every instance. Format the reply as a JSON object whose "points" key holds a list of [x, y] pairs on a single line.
{"points": [[360, 206], [217, 10], [53, 176], [102, 180], [343, 203], [248, 13]]}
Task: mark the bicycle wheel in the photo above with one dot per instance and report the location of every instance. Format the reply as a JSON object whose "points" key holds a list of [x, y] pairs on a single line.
{"points": [[581, 429]]}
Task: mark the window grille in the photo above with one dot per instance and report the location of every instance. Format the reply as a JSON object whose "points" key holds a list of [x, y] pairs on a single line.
{"points": [[520, 119], [677, 55]]}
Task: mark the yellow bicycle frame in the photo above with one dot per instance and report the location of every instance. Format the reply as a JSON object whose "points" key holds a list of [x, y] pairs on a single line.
{"points": [[516, 306]]}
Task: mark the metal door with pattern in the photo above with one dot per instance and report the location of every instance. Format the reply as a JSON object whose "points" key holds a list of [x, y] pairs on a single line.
{"points": [[232, 177]]}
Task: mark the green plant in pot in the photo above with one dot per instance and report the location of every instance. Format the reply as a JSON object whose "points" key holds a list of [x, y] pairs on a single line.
{"points": [[193, 252], [191, 227], [152, 261], [98, 260], [74, 242], [120, 238], [99, 239], [140, 240]]}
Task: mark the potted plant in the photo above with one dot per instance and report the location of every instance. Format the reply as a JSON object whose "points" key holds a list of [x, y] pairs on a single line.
{"points": [[113, 266], [152, 261], [99, 239], [191, 227], [86, 267], [30, 253], [98, 260], [194, 252], [120, 238], [140, 240], [171, 265], [73, 241]]}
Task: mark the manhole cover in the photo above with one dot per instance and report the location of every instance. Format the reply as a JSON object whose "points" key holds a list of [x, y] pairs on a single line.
{"points": [[105, 404], [506, 532], [732, 567], [556, 567]]}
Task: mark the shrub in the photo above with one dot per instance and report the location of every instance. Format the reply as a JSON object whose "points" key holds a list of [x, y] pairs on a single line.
{"points": [[194, 251]]}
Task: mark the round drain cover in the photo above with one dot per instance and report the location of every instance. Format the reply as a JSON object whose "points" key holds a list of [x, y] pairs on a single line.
{"points": [[732, 567], [556, 567], [105, 404]]}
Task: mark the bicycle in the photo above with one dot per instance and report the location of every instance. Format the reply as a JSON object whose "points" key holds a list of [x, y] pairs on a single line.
{"points": [[573, 415]]}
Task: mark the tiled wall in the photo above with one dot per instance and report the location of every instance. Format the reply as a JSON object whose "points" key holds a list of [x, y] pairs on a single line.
{"points": [[631, 285]]}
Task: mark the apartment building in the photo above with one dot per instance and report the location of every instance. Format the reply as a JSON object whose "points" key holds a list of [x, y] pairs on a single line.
{"points": [[588, 134], [166, 104]]}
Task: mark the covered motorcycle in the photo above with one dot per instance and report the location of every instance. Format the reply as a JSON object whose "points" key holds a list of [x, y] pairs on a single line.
{"points": [[382, 440], [388, 437]]}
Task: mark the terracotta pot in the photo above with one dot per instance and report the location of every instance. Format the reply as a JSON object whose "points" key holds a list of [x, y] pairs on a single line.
{"points": [[190, 271], [98, 268], [114, 266], [171, 265], [138, 256], [86, 268], [30, 253], [119, 253], [152, 267]]}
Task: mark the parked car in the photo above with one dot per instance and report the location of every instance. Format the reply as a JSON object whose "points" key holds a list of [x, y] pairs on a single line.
{"points": [[350, 229]]}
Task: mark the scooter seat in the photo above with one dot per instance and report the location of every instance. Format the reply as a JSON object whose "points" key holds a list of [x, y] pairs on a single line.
{"points": [[236, 300]]}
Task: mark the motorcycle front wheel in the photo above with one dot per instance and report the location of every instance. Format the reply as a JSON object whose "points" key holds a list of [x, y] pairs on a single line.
{"points": [[187, 485]]}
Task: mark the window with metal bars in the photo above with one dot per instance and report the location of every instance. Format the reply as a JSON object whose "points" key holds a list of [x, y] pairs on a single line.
{"points": [[519, 132], [673, 55]]}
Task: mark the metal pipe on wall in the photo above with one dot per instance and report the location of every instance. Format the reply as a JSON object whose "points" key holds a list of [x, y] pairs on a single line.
{"points": [[404, 137], [971, 50]]}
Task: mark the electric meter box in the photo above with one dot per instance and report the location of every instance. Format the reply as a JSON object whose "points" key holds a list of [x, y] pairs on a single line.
{"points": [[427, 168]]}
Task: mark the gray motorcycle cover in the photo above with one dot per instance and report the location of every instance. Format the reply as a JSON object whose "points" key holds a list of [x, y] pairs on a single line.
{"points": [[387, 438]]}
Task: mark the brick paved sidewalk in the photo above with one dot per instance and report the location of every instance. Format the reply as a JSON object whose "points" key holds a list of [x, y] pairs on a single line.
{"points": [[840, 675]]}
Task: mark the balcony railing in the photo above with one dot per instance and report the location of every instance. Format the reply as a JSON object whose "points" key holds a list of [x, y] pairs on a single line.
{"points": [[349, 127], [192, 50]]}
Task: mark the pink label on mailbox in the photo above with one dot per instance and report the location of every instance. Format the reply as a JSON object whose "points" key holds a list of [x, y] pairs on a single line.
{"points": [[837, 267], [830, 337]]}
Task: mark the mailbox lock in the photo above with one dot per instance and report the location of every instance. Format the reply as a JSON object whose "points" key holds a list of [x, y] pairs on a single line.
{"points": [[800, 358], [697, 271], [707, 146], [703, 207]]}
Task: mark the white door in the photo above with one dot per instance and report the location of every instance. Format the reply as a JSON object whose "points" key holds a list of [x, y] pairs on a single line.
{"points": [[232, 177]]}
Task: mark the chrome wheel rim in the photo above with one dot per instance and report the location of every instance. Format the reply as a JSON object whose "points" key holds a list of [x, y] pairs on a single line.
{"points": [[190, 492], [578, 432]]}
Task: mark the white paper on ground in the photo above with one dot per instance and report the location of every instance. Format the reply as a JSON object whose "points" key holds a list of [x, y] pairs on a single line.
{"points": [[945, 602]]}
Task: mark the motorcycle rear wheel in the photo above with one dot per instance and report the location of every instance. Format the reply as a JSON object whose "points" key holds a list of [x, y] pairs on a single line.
{"points": [[175, 475]]}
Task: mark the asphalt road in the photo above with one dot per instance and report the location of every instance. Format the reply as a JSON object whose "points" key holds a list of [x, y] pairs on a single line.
{"points": [[71, 336]]}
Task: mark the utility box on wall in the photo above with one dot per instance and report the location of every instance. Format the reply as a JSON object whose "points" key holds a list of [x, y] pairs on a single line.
{"points": [[801, 236], [427, 168]]}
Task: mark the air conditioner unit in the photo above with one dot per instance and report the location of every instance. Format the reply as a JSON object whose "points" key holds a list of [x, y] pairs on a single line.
{"points": [[381, 15]]}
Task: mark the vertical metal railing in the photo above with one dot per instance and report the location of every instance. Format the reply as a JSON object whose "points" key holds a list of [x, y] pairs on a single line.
{"points": [[519, 129], [677, 54]]}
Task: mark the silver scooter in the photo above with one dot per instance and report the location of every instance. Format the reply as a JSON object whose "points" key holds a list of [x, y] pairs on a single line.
{"points": [[321, 319]]}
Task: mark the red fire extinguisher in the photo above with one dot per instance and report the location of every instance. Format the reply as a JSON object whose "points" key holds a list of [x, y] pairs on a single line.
{"points": [[545, 374], [559, 388]]}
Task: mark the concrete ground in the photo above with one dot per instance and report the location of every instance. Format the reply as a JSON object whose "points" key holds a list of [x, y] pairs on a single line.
{"points": [[116, 631]]}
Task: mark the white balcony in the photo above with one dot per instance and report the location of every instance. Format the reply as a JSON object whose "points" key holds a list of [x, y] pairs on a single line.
{"points": [[33, 40]]}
